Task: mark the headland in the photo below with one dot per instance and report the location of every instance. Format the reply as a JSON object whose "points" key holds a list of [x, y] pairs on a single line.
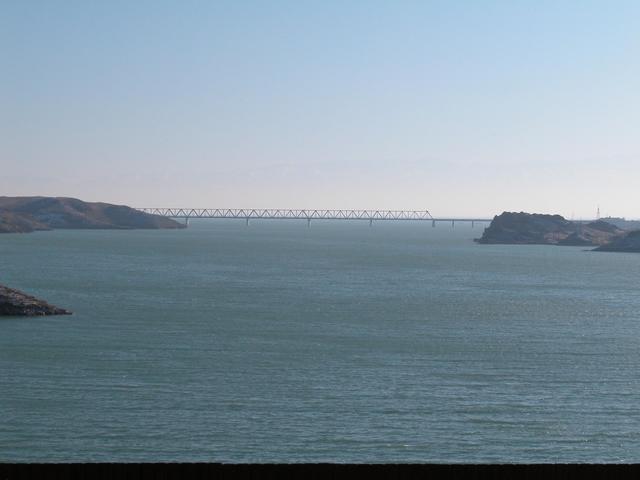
{"points": [[29, 214]]}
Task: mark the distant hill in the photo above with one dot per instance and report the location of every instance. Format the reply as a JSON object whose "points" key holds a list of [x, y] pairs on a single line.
{"points": [[533, 228], [27, 214], [623, 223]]}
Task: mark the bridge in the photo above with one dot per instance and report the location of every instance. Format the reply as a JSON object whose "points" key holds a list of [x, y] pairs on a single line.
{"points": [[308, 215]]}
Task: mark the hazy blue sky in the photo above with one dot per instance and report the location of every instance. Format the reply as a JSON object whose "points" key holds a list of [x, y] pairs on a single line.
{"points": [[463, 108]]}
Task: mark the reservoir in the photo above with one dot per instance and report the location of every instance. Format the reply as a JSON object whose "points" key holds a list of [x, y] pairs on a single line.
{"points": [[335, 343]]}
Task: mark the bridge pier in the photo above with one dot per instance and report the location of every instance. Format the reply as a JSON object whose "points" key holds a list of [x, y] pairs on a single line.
{"points": [[472, 223], [371, 222], [247, 221], [453, 223], [186, 221], [308, 222], [433, 224]]}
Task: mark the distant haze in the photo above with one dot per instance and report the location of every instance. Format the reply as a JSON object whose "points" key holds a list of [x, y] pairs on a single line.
{"points": [[462, 108]]}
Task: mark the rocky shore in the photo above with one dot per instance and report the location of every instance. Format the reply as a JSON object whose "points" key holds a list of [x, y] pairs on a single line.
{"points": [[16, 303]]}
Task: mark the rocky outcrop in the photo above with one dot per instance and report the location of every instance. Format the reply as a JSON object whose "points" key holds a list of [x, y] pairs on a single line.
{"points": [[16, 303], [26, 214], [532, 228], [525, 228], [627, 243]]}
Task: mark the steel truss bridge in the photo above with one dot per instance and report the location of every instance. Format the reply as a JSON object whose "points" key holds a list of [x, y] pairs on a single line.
{"points": [[308, 215]]}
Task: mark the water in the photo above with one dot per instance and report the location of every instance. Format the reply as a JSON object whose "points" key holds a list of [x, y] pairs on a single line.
{"points": [[339, 342]]}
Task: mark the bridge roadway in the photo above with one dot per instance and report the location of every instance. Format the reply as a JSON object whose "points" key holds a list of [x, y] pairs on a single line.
{"points": [[306, 214]]}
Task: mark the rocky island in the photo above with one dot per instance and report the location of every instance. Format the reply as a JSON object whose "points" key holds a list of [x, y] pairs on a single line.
{"points": [[28, 214], [16, 303], [539, 229]]}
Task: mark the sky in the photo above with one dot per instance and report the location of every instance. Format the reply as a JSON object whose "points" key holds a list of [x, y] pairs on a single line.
{"points": [[463, 108]]}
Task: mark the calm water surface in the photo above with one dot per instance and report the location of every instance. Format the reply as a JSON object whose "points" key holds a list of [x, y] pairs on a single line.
{"points": [[339, 342]]}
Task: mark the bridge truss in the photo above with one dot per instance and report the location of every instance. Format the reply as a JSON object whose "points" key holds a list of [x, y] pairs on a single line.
{"points": [[283, 214], [304, 214]]}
